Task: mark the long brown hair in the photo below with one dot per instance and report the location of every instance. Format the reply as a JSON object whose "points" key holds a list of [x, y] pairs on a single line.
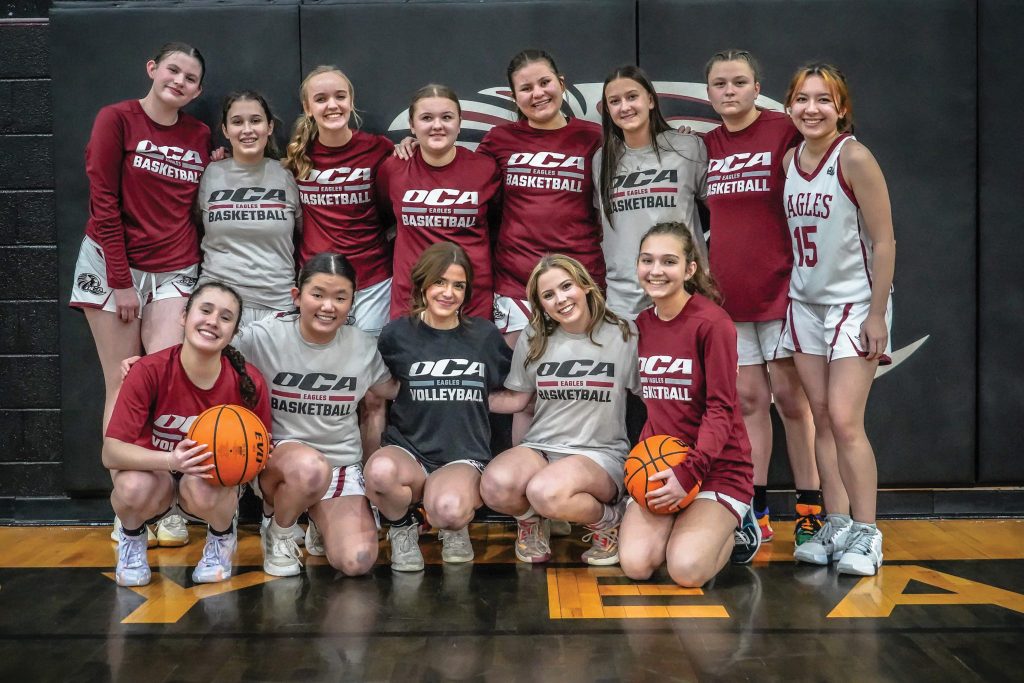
{"points": [[431, 267], [702, 281], [296, 157], [543, 327]]}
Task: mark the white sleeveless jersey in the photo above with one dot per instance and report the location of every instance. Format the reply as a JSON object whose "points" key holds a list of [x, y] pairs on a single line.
{"points": [[832, 252]]}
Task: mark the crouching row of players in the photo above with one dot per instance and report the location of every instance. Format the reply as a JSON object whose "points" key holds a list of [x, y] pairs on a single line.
{"points": [[445, 372]]}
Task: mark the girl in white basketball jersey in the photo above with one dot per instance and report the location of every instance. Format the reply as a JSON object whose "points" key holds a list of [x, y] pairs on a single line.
{"points": [[578, 359], [751, 258], [250, 210], [837, 207], [318, 369]]}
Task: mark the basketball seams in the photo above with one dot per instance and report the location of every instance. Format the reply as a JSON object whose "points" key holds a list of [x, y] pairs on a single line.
{"points": [[245, 440], [652, 464], [216, 426]]}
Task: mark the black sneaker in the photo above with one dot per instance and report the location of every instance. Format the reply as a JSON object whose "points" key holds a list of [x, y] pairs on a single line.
{"points": [[748, 539]]}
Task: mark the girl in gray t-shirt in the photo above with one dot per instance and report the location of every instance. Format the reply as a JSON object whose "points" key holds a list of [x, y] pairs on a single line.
{"points": [[577, 359], [250, 210], [318, 369]]}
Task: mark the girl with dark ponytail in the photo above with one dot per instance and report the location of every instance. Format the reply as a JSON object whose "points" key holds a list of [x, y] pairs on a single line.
{"points": [[156, 470], [687, 350]]}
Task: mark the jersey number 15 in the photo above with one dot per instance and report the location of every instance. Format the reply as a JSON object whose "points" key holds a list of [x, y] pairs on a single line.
{"points": [[806, 249]]}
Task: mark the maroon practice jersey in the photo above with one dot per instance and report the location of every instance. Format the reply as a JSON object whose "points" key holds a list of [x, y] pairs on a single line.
{"points": [[751, 256], [143, 180], [339, 208], [548, 201], [688, 371], [434, 204], [158, 402]]}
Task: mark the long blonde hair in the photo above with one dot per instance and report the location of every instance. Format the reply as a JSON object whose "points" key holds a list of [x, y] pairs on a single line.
{"points": [[296, 157], [543, 327]]}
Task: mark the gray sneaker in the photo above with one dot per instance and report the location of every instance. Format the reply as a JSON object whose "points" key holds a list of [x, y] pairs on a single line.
{"points": [[827, 544], [314, 541], [281, 554], [533, 544], [456, 546], [405, 548], [604, 547], [863, 554]]}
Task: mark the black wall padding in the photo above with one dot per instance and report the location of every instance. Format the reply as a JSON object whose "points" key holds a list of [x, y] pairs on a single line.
{"points": [[912, 69], [99, 54], [1001, 282]]}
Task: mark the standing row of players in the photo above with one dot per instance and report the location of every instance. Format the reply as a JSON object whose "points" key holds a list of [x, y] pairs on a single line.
{"points": [[146, 158]]}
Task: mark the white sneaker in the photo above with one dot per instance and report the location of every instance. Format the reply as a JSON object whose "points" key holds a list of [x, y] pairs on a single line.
{"points": [[171, 532], [604, 547], [313, 540], [533, 543], [132, 563], [281, 554], [150, 536], [827, 544], [297, 531], [863, 555], [405, 548], [215, 564], [456, 546]]}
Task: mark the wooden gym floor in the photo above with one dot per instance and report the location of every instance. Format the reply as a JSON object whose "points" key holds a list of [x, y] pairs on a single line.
{"points": [[947, 605]]}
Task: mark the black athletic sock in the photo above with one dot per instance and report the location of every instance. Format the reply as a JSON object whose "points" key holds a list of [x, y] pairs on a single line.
{"points": [[760, 499], [133, 532], [411, 517], [220, 533], [808, 497]]}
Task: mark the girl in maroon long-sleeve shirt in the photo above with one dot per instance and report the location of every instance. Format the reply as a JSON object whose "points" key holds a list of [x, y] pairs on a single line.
{"points": [[687, 350], [139, 260]]}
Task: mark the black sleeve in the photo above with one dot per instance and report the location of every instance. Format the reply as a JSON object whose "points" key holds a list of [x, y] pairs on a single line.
{"points": [[499, 357]]}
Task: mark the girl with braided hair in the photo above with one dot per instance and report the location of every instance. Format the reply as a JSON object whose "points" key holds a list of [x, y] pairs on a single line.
{"points": [[156, 470]]}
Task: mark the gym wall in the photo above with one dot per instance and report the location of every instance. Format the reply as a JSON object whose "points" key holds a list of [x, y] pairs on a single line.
{"points": [[921, 72]]}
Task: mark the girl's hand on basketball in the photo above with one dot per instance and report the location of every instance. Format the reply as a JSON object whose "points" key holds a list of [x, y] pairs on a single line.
{"points": [[406, 148], [127, 302], [188, 457], [874, 336], [219, 154], [671, 493], [127, 364]]}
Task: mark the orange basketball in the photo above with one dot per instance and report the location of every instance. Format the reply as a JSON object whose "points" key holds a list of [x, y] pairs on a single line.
{"points": [[652, 455], [237, 440]]}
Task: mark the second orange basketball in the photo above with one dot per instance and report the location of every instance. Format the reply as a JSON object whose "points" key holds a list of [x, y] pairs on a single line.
{"points": [[652, 455]]}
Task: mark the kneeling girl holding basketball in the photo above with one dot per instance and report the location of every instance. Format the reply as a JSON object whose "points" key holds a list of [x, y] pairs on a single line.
{"points": [[578, 359], [156, 470], [688, 363], [319, 369], [438, 440]]}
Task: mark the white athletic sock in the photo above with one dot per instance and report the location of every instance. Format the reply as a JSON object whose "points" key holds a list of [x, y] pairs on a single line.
{"points": [[529, 514], [279, 530]]}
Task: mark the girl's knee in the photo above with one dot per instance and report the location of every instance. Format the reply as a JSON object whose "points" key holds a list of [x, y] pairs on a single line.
{"points": [[352, 559], [450, 511], [690, 572]]}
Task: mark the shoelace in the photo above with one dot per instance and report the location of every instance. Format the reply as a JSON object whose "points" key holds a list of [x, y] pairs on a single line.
{"points": [[288, 547], [604, 539], [404, 538], [529, 536], [809, 523], [132, 553], [860, 542], [825, 533], [212, 552], [454, 540]]}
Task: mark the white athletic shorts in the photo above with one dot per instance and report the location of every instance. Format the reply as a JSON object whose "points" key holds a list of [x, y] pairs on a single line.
{"points": [[252, 313], [510, 315], [734, 506], [615, 467], [760, 342], [91, 290], [372, 308], [345, 481], [832, 330]]}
